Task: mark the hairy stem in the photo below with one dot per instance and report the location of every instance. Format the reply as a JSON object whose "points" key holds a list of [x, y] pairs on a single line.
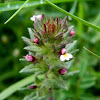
{"points": [[52, 95]]}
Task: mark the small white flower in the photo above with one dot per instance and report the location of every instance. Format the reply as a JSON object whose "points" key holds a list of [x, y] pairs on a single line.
{"points": [[36, 16], [66, 56]]}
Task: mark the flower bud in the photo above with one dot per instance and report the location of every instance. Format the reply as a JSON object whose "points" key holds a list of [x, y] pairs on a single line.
{"points": [[39, 17], [36, 40], [33, 87], [72, 32], [62, 71], [63, 51], [66, 22], [30, 58]]}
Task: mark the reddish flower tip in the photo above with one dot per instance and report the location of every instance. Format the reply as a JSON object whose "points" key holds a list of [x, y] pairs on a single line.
{"points": [[72, 32], [30, 58], [63, 51], [33, 87], [62, 71], [36, 40]]}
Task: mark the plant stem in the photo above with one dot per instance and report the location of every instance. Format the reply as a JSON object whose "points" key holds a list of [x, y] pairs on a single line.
{"points": [[16, 12], [91, 52], [52, 95]]}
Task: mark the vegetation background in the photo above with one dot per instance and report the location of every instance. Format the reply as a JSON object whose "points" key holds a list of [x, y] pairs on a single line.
{"points": [[83, 86]]}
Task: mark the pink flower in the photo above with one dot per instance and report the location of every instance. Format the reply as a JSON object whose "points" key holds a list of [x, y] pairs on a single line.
{"points": [[62, 71], [36, 40], [63, 51], [72, 32], [30, 58], [33, 87], [36, 16]]}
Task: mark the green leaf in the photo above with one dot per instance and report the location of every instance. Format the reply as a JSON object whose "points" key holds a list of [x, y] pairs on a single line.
{"points": [[31, 33], [70, 46], [24, 61], [37, 25], [61, 83], [83, 63], [73, 73], [29, 69], [87, 97], [69, 64], [27, 41], [34, 48], [88, 78], [74, 51], [72, 11], [32, 96], [87, 81], [87, 84], [68, 32]]}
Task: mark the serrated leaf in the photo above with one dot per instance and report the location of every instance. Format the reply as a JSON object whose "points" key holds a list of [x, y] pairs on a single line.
{"points": [[24, 61], [74, 51], [62, 83], [70, 46], [32, 96], [37, 25], [73, 73], [31, 33], [27, 41], [34, 48], [29, 69]]}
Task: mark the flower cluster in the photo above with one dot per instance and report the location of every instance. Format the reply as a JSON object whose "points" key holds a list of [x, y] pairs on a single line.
{"points": [[47, 49]]}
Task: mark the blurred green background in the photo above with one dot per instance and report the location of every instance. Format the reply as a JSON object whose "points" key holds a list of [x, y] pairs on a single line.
{"points": [[83, 86]]}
